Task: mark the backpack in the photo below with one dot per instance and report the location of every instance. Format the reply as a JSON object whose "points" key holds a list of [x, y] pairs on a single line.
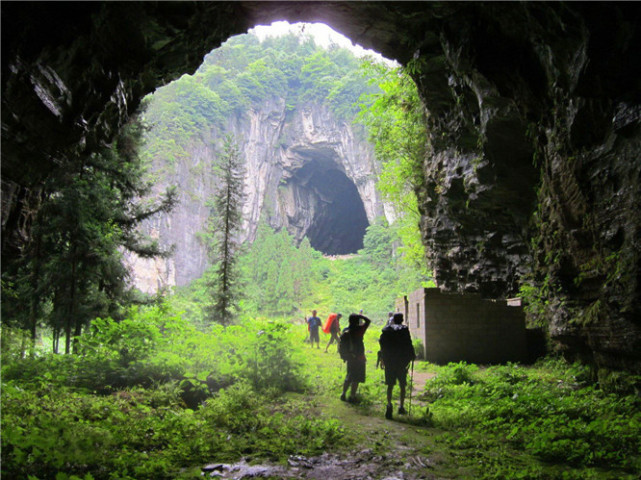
{"points": [[396, 345], [330, 322], [345, 348]]}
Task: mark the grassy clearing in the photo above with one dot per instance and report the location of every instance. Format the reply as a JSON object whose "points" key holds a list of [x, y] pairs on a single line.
{"points": [[159, 399], [529, 422]]}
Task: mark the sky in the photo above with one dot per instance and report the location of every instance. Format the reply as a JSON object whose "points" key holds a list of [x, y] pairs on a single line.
{"points": [[323, 36]]}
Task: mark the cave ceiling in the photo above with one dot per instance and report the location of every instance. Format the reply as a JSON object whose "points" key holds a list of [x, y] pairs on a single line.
{"points": [[533, 110]]}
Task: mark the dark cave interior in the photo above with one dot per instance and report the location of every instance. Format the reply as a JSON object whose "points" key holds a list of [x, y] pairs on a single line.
{"points": [[339, 222]]}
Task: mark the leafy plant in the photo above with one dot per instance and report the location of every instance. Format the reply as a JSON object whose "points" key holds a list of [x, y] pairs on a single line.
{"points": [[395, 123], [152, 394], [547, 410]]}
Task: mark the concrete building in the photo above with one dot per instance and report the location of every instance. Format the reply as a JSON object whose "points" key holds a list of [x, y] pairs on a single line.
{"points": [[465, 327]]}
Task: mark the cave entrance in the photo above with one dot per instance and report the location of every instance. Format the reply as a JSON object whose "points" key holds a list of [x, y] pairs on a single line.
{"points": [[339, 219]]}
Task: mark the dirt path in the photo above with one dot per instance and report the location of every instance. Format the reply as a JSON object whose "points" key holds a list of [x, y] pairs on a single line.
{"points": [[400, 449], [419, 379]]}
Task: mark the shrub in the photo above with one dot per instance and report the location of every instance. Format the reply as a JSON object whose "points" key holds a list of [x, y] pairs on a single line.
{"points": [[275, 363], [547, 410], [419, 348]]}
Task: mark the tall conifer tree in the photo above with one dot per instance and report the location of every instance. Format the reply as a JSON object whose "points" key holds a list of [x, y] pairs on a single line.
{"points": [[224, 227], [71, 270]]}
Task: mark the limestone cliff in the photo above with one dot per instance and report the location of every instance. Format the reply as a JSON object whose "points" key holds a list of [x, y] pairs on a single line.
{"points": [[306, 171]]}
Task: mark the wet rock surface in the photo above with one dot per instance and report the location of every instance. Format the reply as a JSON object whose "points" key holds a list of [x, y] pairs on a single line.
{"points": [[359, 465], [535, 173]]}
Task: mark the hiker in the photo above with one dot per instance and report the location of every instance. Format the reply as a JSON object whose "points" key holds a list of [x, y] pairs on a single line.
{"points": [[313, 324], [352, 351], [397, 352], [334, 328], [390, 319]]}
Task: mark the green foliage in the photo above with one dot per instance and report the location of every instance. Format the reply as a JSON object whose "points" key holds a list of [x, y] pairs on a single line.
{"points": [[153, 346], [151, 395], [374, 279], [378, 246], [274, 363], [16, 343], [395, 124], [277, 274], [127, 436], [223, 228], [419, 348], [548, 411]]}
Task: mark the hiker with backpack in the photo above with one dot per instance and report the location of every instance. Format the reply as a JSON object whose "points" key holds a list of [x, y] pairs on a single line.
{"points": [[352, 351], [397, 352], [333, 327]]}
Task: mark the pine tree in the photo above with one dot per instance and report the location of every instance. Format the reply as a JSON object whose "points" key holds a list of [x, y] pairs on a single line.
{"points": [[225, 223], [71, 270]]}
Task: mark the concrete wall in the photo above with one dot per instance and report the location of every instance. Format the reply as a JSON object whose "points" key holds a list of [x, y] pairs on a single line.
{"points": [[400, 306], [456, 327], [415, 317]]}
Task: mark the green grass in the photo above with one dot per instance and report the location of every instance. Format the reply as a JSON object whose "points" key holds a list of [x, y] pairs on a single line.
{"points": [[259, 392], [535, 422]]}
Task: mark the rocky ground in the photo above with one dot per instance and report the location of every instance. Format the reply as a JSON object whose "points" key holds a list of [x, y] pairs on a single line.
{"points": [[393, 456], [358, 465]]}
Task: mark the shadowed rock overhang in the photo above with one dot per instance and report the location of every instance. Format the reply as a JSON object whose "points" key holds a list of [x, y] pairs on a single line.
{"points": [[533, 171]]}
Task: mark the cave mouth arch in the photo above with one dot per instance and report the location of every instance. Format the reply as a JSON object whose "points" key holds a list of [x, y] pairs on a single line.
{"points": [[339, 219], [67, 88]]}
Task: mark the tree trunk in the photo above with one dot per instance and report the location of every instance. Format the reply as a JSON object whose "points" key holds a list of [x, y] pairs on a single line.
{"points": [[34, 309], [77, 332], [71, 310], [67, 335], [23, 343]]}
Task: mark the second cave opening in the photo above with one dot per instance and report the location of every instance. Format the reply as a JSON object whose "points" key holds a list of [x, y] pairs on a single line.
{"points": [[339, 219]]}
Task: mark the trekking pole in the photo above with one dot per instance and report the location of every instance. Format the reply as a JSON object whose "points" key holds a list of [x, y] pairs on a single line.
{"points": [[409, 411]]}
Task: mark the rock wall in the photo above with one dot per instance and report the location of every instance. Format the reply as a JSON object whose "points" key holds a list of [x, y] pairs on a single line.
{"points": [[535, 173], [534, 111], [288, 158]]}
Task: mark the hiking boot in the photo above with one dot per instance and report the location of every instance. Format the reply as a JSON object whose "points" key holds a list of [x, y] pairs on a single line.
{"points": [[343, 398], [401, 411], [388, 412]]}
